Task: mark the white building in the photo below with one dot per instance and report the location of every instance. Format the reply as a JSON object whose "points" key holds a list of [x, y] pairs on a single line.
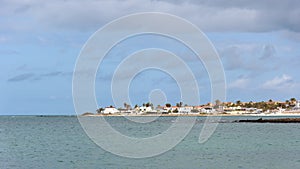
{"points": [[167, 109], [110, 110], [297, 106], [207, 109], [144, 109], [185, 109]]}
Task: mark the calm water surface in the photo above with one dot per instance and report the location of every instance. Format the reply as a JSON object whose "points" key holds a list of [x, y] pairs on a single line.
{"points": [[60, 142]]}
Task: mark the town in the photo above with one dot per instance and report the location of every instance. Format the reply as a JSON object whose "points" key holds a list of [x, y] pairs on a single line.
{"points": [[270, 107]]}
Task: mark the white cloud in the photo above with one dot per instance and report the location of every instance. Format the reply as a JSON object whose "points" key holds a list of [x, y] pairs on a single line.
{"points": [[248, 57], [241, 83], [279, 82]]}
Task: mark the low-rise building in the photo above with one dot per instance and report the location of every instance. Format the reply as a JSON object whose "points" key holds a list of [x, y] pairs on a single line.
{"points": [[199, 108], [185, 109], [297, 106], [207, 109], [144, 109], [241, 110], [110, 110], [167, 109]]}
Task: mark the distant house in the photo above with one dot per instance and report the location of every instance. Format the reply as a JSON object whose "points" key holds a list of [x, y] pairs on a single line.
{"points": [[110, 110], [235, 110], [167, 109], [241, 110], [185, 109], [207, 109], [196, 109], [144, 109], [199, 108], [126, 111], [297, 106], [160, 109]]}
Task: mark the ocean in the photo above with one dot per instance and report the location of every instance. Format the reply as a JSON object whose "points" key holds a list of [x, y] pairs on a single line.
{"points": [[59, 142]]}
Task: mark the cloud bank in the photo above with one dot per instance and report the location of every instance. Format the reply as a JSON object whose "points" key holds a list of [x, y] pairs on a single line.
{"points": [[214, 15]]}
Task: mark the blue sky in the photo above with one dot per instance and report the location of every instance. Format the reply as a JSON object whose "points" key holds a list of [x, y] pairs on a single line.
{"points": [[39, 42]]}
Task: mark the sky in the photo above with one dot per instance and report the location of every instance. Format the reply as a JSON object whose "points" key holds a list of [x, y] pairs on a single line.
{"points": [[257, 41]]}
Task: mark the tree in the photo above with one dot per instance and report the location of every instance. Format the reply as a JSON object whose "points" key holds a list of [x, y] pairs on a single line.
{"points": [[287, 103], [87, 114], [151, 105], [127, 106], [282, 105], [168, 105], [148, 104], [218, 102], [293, 100], [175, 111], [248, 105], [100, 110], [238, 102]]}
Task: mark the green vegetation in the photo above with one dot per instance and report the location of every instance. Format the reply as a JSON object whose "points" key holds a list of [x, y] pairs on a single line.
{"points": [[175, 111], [168, 105], [87, 114], [269, 105], [179, 104], [99, 110]]}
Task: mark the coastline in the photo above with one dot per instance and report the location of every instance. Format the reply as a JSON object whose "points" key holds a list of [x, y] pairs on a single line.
{"points": [[192, 115]]}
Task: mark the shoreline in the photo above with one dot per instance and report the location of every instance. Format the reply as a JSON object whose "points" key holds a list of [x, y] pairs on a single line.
{"points": [[190, 115]]}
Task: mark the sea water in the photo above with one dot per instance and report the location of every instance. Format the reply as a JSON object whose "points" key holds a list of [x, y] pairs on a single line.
{"points": [[60, 142]]}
